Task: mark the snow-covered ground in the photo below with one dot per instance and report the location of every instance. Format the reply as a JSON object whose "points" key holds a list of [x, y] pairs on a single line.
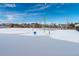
{"points": [[24, 31], [23, 42], [16, 45], [67, 35]]}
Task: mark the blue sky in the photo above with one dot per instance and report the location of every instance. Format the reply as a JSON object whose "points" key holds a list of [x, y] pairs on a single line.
{"points": [[38, 12]]}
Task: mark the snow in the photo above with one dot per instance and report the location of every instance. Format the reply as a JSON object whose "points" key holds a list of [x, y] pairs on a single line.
{"points": [[24, 31], [14, 30], [39, 32], [67, 35], [16, 45], [23, 42]]}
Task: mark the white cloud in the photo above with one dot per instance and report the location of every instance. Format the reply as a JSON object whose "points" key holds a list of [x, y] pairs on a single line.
{"points": [[9, 18], [13, 16], [42, 7], [10, 5], [34, 14], [37, 5]]}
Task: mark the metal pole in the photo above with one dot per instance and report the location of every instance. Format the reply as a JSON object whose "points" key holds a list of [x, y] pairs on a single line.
{"points": [[44, 19]]}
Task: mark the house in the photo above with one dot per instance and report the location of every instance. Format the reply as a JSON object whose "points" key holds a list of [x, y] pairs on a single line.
{"points": [[3, 26], [77, 27]]}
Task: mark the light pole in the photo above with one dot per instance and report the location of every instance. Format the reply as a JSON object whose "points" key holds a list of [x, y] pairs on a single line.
{"points": [[67, 22], [44, 19]]}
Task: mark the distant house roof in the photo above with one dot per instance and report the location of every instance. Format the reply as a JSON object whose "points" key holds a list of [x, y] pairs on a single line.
{"points": [[77, 25]]}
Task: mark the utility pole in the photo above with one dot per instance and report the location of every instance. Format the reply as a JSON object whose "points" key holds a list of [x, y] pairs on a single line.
{"points": [[67, 22], [44, 19]]}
